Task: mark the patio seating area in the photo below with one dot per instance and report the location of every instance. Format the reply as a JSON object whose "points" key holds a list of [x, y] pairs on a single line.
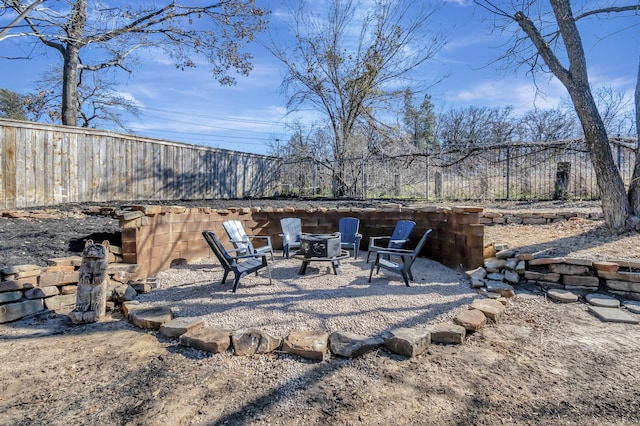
{"points": [[317, 300]]}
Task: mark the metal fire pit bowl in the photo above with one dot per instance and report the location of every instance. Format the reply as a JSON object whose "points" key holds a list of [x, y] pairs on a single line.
{"points": [[320, 245]]}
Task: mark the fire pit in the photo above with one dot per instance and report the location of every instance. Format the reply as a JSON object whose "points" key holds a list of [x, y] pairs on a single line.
{"points": [[322, 248], [320, 245]]}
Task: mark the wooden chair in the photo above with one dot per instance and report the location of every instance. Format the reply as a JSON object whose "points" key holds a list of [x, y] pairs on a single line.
{"points": [[291, 233], [349, 235], [396, 240], [407, 257], [239, 265], [242, 242]]}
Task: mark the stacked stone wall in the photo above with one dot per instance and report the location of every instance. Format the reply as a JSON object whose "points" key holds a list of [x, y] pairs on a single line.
{"points": [[534, 218], [504, 268], [29, 289]]}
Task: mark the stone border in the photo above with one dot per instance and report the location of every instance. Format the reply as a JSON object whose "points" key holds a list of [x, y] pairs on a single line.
{"points": [[534, 218], [314, 345]]}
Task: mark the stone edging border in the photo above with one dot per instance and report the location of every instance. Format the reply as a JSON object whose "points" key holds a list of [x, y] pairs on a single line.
{"points": [[315, 345]]}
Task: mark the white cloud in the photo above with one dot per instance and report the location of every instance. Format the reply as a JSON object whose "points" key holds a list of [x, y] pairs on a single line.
{"points": [[521, 94]]}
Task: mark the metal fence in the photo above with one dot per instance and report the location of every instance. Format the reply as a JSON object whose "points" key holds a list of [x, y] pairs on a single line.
{"points": [[536, 171]]}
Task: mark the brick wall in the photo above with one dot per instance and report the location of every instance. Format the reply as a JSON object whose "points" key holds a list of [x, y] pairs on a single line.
{"points": [[154, 236]]}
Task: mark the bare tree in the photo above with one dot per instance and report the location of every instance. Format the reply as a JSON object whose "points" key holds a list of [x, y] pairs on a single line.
{"points": [[347, 65], [547, 125], [560, 41], [615, 110], [472, 126], [107, 36]]}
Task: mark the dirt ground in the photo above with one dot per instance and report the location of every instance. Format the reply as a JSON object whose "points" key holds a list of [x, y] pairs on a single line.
{"points": [[545, 363]]}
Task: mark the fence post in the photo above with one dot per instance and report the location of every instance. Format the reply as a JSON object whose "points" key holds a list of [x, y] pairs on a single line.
{"points": [[508, 172], [426, 160], [314, 180], [619, 155], [364, 184]]}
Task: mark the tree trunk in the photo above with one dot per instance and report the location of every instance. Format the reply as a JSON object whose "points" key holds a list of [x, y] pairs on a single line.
{"points": [[634, 188], [70, 87], [71, 58], [615, 203]]}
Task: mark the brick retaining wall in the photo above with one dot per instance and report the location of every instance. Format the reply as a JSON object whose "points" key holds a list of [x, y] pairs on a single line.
{"points": [[154, 237]]}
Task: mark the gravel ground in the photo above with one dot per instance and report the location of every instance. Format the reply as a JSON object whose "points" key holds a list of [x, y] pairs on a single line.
{"points": [[543, 364], [318, 300]]}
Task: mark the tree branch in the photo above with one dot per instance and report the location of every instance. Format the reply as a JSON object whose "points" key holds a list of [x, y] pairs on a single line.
{"points": [[20, 17], [612, 9]]}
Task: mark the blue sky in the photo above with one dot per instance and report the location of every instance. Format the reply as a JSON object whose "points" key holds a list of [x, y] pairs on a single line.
{"points": [[190, 106]]}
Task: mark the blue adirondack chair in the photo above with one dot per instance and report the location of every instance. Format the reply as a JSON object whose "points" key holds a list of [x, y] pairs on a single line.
{"points": [[349, 235], [396, 240], [291, 233], [403, 268]]}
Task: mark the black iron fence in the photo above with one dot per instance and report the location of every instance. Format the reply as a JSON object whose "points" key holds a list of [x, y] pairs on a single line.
{"points": [[535, 171]]}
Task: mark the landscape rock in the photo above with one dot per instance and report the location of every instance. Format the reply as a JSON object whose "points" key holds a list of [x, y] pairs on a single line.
{"points": [[20, 269], [471, 319], [210, 339], [623, 286], [602, 300], [579, 280], [178, 326], [505, 254], [547, 261], [58, 278], [562, 296], [130, 306], [632, 306], [123, 293], [446, 333], [583, 262], [512, 277], [477, 274], [151, 318], [13, 285], [613, 315], [307, 344], [10, 296], [65, 261], [503, 289], [250, 341], [511, 263], [606, 266], [553, 277], [41, 292], [494, 264], [492, 309], [566, 269], [351, 345], [495, 276], [408, 342], [68, 289], [59, 302], [477, 283], [14, 311]]}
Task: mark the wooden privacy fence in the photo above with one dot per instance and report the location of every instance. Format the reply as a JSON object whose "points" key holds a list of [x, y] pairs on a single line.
{"points": [[42, 164]]}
